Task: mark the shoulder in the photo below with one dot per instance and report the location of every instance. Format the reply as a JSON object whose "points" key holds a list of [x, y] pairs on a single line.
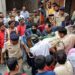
{"points": [[21, 12], [27, 11], [7, 43], [50, 73]]}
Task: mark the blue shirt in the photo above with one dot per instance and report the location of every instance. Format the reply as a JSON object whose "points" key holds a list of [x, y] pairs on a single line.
{"points": [[46, 73]]}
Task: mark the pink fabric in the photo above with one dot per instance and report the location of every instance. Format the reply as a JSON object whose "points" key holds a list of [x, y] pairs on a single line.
{"points": [[6, 73], [71, 51]]}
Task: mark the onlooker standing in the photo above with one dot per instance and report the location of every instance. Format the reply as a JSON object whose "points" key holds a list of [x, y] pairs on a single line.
{"points": [[24, 12], [68, 40], [33, 30], [13, 66], [11, 28], [36, 16], [14, 11], [21, 27], [13, 48], [12, 18], [18, 16], [63, 67], [40, 63], [71, 58], [48, 31], [3, 37], [42, 13], [50, 63], [61, 16], [51, 10], [56, 8]]}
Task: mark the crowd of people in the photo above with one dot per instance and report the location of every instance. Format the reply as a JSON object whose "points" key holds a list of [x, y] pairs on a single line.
{"points": [[43, 41]]}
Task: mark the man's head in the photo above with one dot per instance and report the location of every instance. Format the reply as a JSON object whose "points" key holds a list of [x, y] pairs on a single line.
{"points": [[21, 21], [35, 12], [34, 28], [12, 17], [56, 7], [53, 5], [49, 60], [2, 26], [11, 24], [61, 57], [14, 38], [48, 27], [49, 4], [34, 38], [12, 64], [14, 9], [23, 8], [40, 62], [61, 10], [62, 31], [42, 5], [1, 14]]}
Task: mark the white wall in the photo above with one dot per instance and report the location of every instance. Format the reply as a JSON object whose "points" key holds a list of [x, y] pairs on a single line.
{"points": [[3, 6]]}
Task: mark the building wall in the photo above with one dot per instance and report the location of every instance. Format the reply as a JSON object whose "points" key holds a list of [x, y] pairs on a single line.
{"points": [[30, 4], [73, 6], [3, 6]]}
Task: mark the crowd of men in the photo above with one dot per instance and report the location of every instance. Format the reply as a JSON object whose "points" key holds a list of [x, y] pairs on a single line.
{"points": [[44, 40]]}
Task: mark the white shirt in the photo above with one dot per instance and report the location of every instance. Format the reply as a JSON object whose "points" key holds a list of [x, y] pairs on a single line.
{"points": [[18, 17], [25, 14], [65, 69], [41, 48]]}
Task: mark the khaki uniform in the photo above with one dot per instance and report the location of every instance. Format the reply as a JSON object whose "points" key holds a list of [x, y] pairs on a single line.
{"points": [[13, 51]]}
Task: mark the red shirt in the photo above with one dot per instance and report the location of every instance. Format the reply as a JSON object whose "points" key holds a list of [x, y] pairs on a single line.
{"points": [[41, 27], [2, 35], [50, 68], [21, 29]]}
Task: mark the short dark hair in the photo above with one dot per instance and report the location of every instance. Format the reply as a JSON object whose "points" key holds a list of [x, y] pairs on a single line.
{"points": [[12, 16], [40, 62], [49, 60], [1, 12], [61, 57], [1, 24], [62, 30], [10, 22], [14, 36], [55, 4], [49, 24], [11, 63]]}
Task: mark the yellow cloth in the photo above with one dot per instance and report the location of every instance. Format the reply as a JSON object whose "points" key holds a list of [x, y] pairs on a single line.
{"points": [[51, 11]]}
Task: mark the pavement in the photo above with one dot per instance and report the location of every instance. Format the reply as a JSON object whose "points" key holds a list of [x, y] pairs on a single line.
{"points": [[26, 69]]}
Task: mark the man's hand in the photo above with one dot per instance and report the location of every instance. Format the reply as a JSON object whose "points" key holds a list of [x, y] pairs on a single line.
{"points": [[2, 61]]}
